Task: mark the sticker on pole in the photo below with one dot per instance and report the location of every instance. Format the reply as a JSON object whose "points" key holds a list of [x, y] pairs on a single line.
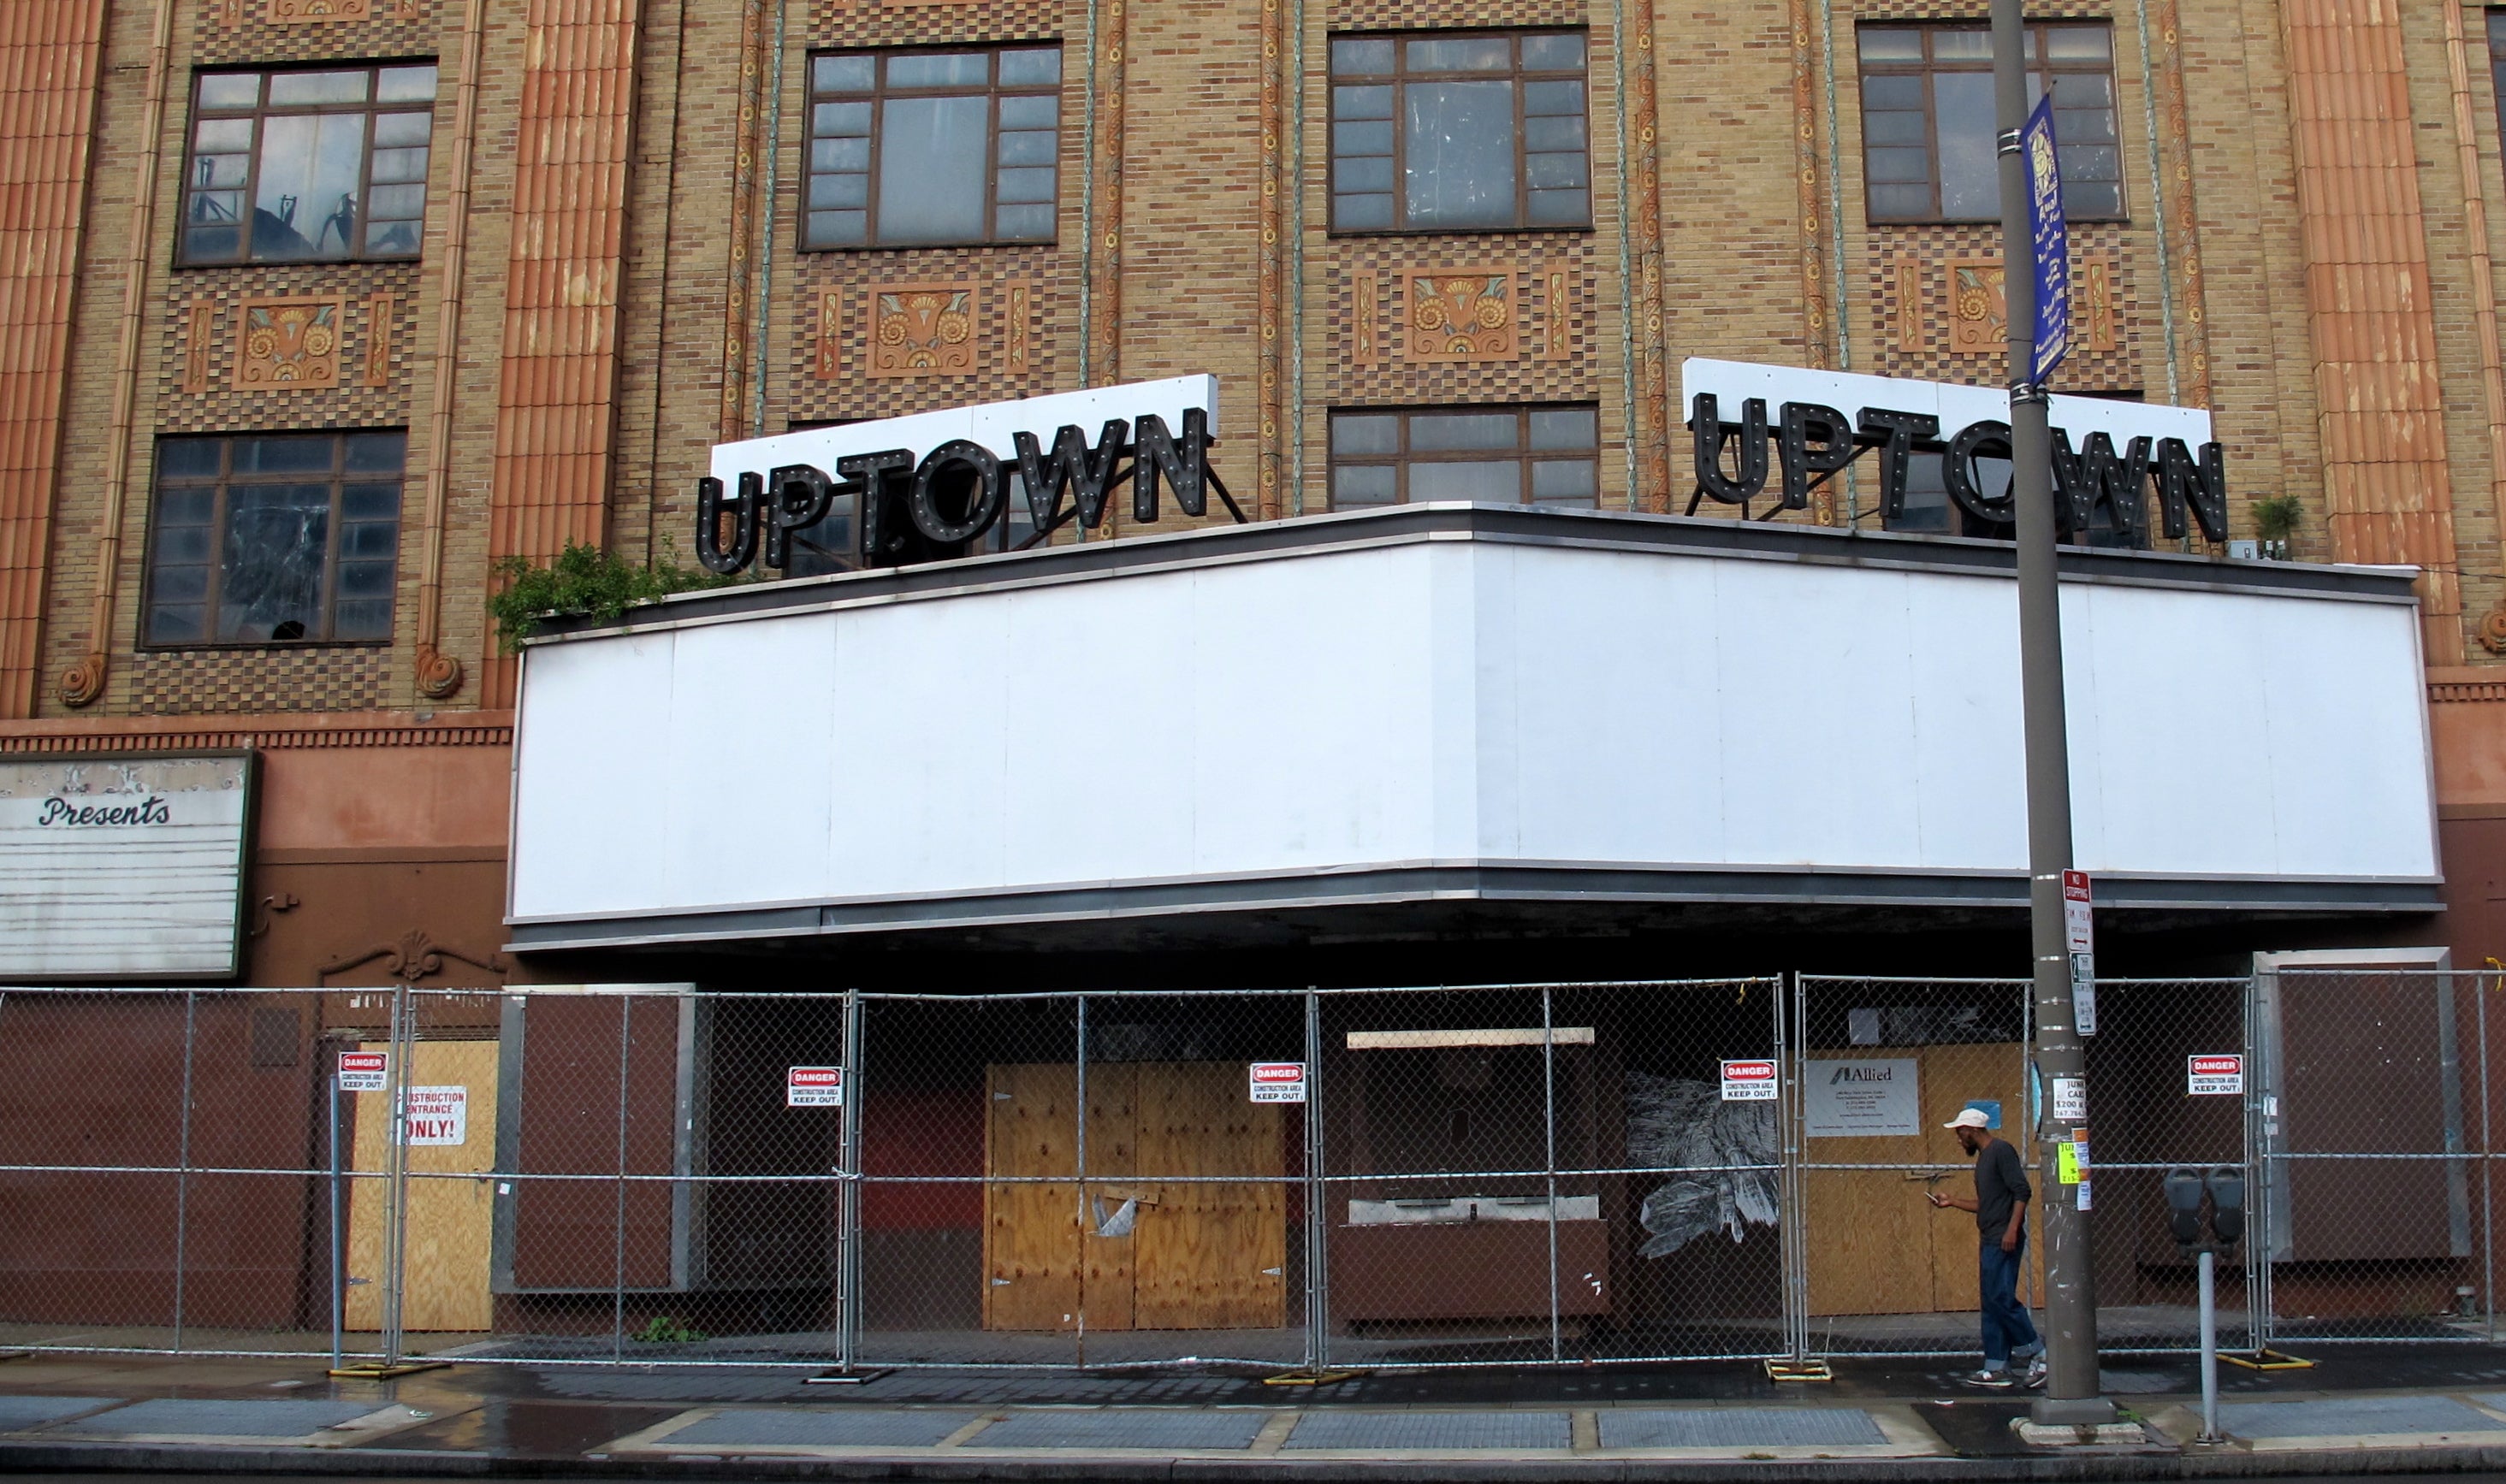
{"points": [[813, 1087], [363, 1071], [2072, 1099], [2221, 1075], [1749, 1082], [435, 1116], [1278, 1082], [2079, 928]]}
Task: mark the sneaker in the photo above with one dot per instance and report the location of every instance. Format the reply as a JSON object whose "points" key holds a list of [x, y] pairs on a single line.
{"points": [[1996, 1380], [2035, 1373]]}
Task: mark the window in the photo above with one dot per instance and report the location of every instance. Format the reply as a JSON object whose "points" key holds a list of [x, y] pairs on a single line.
{"points": [[1927, 134], [1459, 132], [283, 539], [913, 149], [2497, 65], [298, 167], [1514, 455]]}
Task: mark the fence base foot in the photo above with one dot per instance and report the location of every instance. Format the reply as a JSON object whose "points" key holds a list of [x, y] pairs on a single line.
{"points": [[843, 1377], [376, 1370], [1799, 1371], [2266, 1359], [1311, 1377]]}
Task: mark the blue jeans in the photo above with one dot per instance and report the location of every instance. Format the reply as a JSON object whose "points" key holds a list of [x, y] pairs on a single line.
{"points": [[2007, 1329]]}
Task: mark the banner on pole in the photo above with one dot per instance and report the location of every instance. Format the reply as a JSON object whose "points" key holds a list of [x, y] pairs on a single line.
{"points": [[2052, 240]]}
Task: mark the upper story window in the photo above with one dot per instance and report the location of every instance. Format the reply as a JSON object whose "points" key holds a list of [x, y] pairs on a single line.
{"points": [[1927, 134], [1534, 455], [278, 539], [309, 166], [921, 149], [1459, 131], [2497, 64]]}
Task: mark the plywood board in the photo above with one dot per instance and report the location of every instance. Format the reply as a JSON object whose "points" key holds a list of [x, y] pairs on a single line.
{"points": [[1107, 1277], [445, 1255], [1211, 1256], [1952, 1076], [1031, 1231]]}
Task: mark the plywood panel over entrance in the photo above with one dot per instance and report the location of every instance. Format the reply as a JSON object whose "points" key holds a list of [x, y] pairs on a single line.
{"points": [[1189, 1255], [447, 1252], [1876, 1246]]}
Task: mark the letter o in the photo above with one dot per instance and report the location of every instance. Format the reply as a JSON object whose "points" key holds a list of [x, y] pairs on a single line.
{"points": [[992, 493], [1957, 471]]}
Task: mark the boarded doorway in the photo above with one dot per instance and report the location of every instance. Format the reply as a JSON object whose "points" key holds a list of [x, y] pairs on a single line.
{"points": [[1136, 1249], [451, 1222]]}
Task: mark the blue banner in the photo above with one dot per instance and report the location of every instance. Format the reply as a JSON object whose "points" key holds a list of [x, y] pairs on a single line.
{"points": [[2052, 240]]}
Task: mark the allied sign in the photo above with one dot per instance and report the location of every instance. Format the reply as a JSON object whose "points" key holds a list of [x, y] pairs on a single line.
{"points": [[1862, 1099], [363, 1071], [122, 868], [896, 490], [2050, 239], [436, 1115], [1278, 1082], [2216, 1075], [813, 1087], [2108, 456], [1749, 1082]]}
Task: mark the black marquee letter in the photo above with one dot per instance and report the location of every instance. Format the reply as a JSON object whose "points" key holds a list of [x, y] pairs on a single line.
{"points": [[874, 472], [1904, 430], [1707, 435], [803, 496], [2201, 486], [1087, 473], [743, 524], [1816, 440], [991, 492], [1185, 468], [2097, 491], [1957, 470]]}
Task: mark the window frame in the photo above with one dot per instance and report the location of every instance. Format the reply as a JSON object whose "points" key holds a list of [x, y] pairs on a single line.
{"points": [[1515, 75], [222, 486], [2039, 61], [992, 92], [261, 111], [1400, 460]]}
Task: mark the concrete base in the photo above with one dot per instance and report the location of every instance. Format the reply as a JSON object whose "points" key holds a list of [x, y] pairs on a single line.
{"points": [[2071, 1411], [2111, 1435]]}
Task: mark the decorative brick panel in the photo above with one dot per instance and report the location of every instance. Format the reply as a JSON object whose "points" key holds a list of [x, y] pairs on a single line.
{"points": [[197, 681], [1547, 349], [201, 385], [1021, 326], [282, 32], [1936, 306]]}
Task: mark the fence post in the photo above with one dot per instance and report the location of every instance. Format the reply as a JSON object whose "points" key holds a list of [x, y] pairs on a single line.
{"points": [[617, 1255], [402, 1038], [1317, 1290], [2261, 1240], [338, 1244], [1549, 1154], [1079, 1071], [848, 1191], [2487, 1169], [1793, 1299], [183, 1161]]}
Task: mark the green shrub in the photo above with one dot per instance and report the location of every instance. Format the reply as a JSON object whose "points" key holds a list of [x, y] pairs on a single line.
{"points": [[584, 581]]}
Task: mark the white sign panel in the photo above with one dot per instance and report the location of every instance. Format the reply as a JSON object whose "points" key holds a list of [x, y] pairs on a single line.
{"points": [[1749, 1082], [1278, 1082], [1862, 1099], [363, 1071], [436, 1114], [2072, 1099], [121, 867], [2217, 1075], [813, 1087]]}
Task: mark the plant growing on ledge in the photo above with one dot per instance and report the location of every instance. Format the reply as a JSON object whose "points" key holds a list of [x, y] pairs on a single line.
{"points": [[2276, 520], [582, 579]]}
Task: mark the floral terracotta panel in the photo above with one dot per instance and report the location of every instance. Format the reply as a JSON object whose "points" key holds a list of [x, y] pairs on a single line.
{"points": [[924, 329], [289, 12], [288, 344], [1976, 315], [1459, 314]]}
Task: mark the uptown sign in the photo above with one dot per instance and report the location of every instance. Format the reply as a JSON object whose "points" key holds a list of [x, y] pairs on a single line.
{"points": [[931, 486], [2106, 453]]}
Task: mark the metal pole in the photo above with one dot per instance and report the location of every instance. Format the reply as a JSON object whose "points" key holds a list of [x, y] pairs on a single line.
{"points": [[2209, 1347], [1548, 1134], [2070, 1299], [2487, 1168], [618, 1256], [1315, 1340], [403, 1042], [849, 1197], [1080, 1078], [183, 1161], [338, 1244]]}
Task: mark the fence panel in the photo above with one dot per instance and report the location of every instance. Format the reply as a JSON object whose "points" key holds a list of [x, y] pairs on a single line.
{"points": [[2375, 1115]]}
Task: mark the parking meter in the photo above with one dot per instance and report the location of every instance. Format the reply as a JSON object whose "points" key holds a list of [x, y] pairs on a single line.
{"points": [[2228, 1205], [2183, 1190]]}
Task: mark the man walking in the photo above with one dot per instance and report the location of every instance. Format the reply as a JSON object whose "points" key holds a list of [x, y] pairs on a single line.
{"points": [[2000, 1207]]}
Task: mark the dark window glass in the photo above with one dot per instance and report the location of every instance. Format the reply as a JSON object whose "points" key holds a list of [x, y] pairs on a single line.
{"points": [[2497, 66], [283, 539], [928, 148], [1454, 131], [309, 166], [1927, 134], [1536, 455]]}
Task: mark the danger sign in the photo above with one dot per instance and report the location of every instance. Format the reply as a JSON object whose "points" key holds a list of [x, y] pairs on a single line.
{"points": [[2220, 1074], [1749, 1082], [813, 1087], [1278, 1082], [436, 1115], [363, 1071]]}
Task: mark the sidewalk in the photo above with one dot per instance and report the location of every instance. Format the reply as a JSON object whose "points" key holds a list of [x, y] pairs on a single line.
{"points": [[2362, 1410]]}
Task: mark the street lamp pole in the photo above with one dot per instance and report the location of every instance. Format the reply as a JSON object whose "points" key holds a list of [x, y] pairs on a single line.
{"points": [[2071, 1391]]}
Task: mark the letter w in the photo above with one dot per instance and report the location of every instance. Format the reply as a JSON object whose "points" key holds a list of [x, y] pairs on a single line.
{"points": [[1087, 472]]}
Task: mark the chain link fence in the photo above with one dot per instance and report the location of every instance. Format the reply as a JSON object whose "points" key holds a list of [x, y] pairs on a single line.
{"points": [[1496, 1175]]}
